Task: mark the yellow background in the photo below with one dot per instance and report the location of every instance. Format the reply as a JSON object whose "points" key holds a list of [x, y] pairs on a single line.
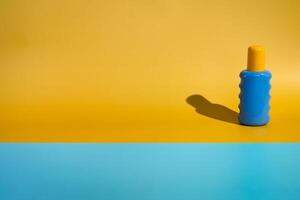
{"points": [[121, 71]]}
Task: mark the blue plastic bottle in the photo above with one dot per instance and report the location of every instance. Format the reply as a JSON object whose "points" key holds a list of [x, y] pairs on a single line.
{"points": [[255, 87]]}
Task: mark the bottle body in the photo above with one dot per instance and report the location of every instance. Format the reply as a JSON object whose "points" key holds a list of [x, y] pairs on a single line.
{"points": [[254, 98]]}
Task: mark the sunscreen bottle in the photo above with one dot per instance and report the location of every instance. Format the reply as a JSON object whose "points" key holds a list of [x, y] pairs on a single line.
{"points": [[254, 89]]}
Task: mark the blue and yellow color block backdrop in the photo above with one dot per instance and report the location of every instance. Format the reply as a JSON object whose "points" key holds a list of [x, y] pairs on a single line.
{"points": [[145, 71]]}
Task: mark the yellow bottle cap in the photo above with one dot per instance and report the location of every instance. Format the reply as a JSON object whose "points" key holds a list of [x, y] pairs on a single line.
{"points": [[256, 58]]}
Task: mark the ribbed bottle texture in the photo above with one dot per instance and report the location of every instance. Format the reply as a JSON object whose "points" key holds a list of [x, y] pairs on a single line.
{"points": [[254, 98]]}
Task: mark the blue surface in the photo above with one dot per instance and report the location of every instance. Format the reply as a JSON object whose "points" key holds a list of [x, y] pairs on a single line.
{"points": [[149, 171], [255, 98]]}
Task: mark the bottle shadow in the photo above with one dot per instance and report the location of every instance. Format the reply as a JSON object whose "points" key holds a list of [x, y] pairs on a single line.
{"points": [[215, 111]]}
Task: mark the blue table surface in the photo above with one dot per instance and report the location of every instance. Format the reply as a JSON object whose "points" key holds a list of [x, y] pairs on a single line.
{"points": [[149, 171]]}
